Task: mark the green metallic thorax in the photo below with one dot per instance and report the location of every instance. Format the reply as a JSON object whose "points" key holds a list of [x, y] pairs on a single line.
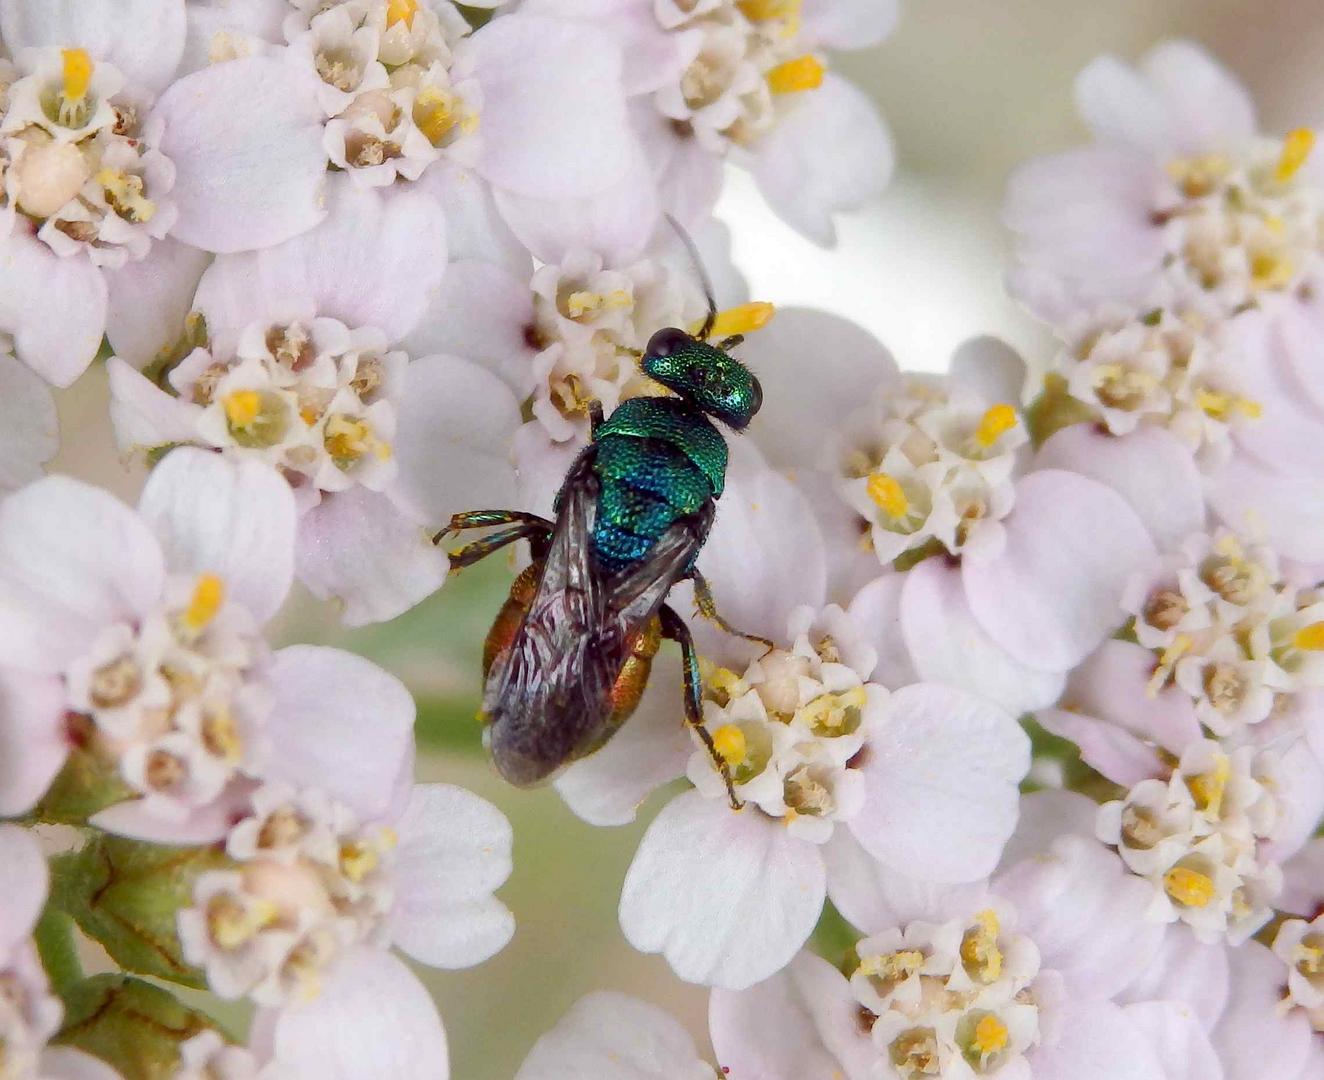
{"points": [[658, 460]]}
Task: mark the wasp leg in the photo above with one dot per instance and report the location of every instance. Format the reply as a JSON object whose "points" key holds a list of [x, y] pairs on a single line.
{"points": [[706, 605], [482, 519], [481, 549], [594, 417], [674, 628], [727, 344]]}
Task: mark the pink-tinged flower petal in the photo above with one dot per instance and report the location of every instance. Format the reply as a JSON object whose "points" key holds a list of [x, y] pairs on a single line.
{"points": [[688, 175], [144, 415], [33, 745], [235, 519], [541, 464], [876, 610], [340, 723], [1299, 793], [66, 1063], [373, 1018], [830, 152], [763, 559], [452, 439], [848, 24], [853, 566], [873, 897], [1053, 594], [1110, 750], [1121, 105], [849, 366], [1095, 1040], [481, 312], [1086, 912], [29, 428], [616, 223], [1288, 511], [376, 260], [1149, 468], [1254, 1037], [942, 774], [53, 308], [947, 644], [246, 140], [24, 894], [726, 897], [1112, 685], [801, 1023], [218, 26], [1045, 816], [608, 1036], [203, 825], [652, 749], [990, 369], [149, 298], [1210, 109], [1303, 881], [543, 134], [454, 851], [475, 228], [359, 548], [72, 559], [143, 38], [1185, 971]]}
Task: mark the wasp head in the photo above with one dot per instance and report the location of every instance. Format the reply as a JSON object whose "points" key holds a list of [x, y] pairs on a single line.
{"points": [[706, 376]]}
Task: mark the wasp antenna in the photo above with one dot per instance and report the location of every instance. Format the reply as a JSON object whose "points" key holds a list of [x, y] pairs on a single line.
{"points": [[704, 279]]}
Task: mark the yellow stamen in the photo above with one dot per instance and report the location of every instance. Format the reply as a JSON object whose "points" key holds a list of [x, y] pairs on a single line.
{"points": [[124, 191], [729, 742], [794, 76], [1271, 270], [585, 302], [78, 68], [242, 407], [357, 860], [1310, 638], [990, 1035], [979, 947], [401, 11], [1208, 789], [1189, 887], [893, 966], [435, 114], [999, 419], [208, 596], [887, 495], [763, 10], [1167, 661], [1296, 149], [1219, 406], [744, 319]]}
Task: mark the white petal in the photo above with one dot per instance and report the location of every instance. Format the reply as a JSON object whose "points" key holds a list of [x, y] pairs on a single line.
{"points": [[376, 260], [652, 749], [1120, 105], [830, 152], [1185, 971], [144, 415], [1303, 881], [360, 549], [452, 438], [801, 1023], [947, 644], [1254, 1037], [1054, 593], [475, 228], [1086, 912], [373, 1018], [873, 897], [136, 819], [1149, 468], [454, 850], [1112, 685], [815, 368], [848, 24], [54, 308], [24, 894], [726, 897], [143, 38], [1287, 511], [942, 776], [1210, 109], [1095, 1040], [235, 519], [33, 743], [608, 1036], [149, 298], [1299, 791], [66, 1063], [246, 140], [535, 139], [990, 369], [1045, 816], [29, 428], [340, 723], [72, 559], [1113, 751], [876, 610]]}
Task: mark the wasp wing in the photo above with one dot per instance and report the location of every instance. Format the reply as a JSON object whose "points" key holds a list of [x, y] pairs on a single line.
{"points": [[548, 697]]}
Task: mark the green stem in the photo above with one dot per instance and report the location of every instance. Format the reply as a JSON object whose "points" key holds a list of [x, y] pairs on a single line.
{"points": [[57, 945]]}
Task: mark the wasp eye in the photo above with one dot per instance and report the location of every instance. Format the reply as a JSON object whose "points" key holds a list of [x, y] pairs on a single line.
{"points": [[668, 341]]}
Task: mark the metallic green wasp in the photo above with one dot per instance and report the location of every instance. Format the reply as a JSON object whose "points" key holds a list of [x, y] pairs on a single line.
{"points": [[570, 652]]}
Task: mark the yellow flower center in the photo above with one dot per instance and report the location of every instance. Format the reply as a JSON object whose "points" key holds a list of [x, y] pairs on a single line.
{"points": [[1189, 887], [78, 68], [729, 742], [764, 10], [990, 1035], [242, 407], [1296, 149], [1310, 638], [398, 11], [979, 947], [1219, 406], [887, 495], [794, 76], [585, 302], [357, 860], [998, 420], [208, 596], [1208, 789]]}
